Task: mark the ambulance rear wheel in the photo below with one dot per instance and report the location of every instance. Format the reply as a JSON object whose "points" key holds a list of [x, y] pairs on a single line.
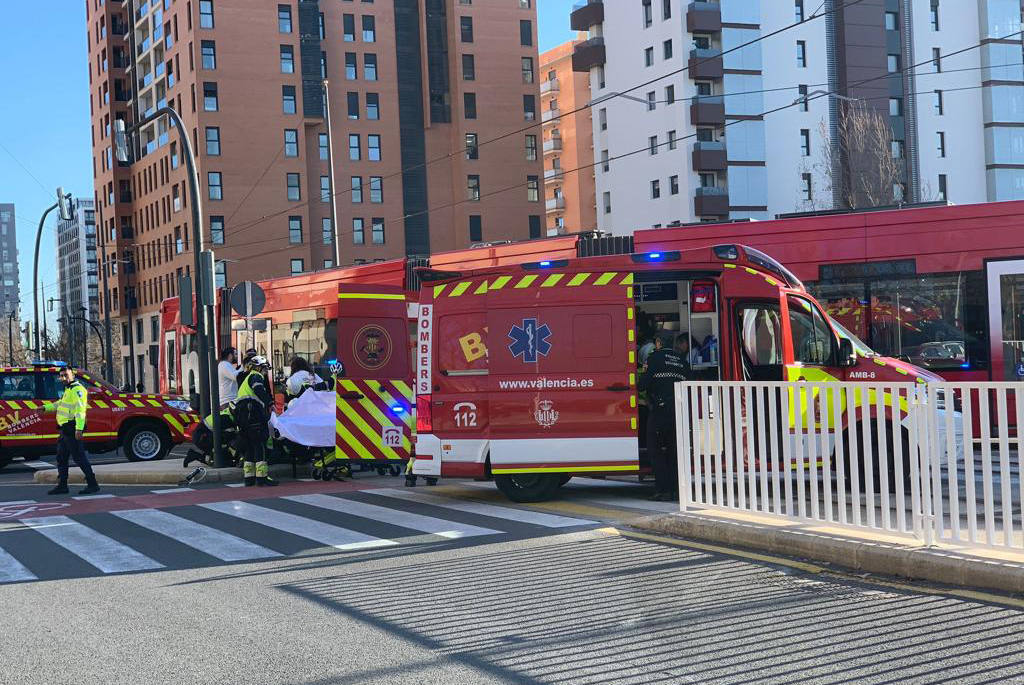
{"points": [[528, 487]]}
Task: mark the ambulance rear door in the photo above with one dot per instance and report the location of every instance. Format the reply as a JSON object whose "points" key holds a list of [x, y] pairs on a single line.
{"points": [[562, 381], [374, 418]]}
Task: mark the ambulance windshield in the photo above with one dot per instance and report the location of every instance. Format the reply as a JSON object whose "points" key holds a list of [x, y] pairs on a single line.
{"points": [[859, 345]]}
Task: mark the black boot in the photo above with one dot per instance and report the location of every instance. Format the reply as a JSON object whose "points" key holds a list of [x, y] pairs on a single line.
{"points": [[266, 482], [61, 489], [193, 455], [90, 489]]}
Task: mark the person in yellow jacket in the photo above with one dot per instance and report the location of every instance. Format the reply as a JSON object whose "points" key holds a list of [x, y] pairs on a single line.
{"points": [[71, 409]]}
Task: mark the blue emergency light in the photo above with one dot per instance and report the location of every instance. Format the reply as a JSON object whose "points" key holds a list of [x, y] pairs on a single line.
{"points": [[398, 409], [654, 256], [545, 263]]}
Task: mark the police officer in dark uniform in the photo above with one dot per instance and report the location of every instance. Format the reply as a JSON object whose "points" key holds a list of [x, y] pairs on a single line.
{"points": [[666, 366]]}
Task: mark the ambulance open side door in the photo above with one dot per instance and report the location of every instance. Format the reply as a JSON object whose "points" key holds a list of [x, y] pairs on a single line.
{"points": [[374, 401]]}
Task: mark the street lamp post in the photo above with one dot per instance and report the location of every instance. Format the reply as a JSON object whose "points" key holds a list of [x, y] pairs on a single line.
{"points": [[206, 338], [330, 170], [63, 204], [109, 347], [10, 336]]}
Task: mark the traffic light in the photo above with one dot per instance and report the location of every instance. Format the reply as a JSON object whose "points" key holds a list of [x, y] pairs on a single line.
{"points": [[64, 205]]}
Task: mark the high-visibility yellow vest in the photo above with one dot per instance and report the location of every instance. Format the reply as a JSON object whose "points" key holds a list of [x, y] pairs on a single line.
{"points": [[71, 406]]}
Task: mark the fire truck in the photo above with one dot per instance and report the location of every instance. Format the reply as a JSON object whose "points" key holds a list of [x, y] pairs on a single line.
{"points": [[528, 373]]}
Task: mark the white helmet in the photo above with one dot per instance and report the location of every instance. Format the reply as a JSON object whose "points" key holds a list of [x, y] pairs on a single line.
{"points": [[257, 361]]}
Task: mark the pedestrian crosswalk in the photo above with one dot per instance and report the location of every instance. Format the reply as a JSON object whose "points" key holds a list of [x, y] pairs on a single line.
{"points": [[133, 540]]}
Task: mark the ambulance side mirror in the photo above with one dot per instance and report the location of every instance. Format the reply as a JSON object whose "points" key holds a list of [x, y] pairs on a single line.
{"points": [[847, 357]]}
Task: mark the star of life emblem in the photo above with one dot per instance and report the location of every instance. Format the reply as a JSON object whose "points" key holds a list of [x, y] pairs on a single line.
{"points": [[530, 340], [545, 414]]}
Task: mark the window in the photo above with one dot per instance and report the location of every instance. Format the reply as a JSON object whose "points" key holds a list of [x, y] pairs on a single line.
{"points": [[328, 263], [648, 57], [298, 266], [604, 161], [206, 14], [372, 106], [805, 186], [940, 139], [373, 147], [652, 145], [896, 107], [892, 63], [937, 60], [284, 19], [898, 149], [358, 231], [670, 95], [898, 192], [210, 101], [291, 142], [294, 191], [287, 59], [472, 151], [799, 15], [322, 27], [377, 230], [801, 53], [323, 64], [602, 118], [468, 68], [351, 67], [466, 29], [324, 148], [473, 188], [213, 141], [295, 230], [288, 99], [532, 189], [213, 182], [647, 16], [672, 140], [327, 231], [357, 189], [812, 336], [527, 67], [525, 32], [217, 230], [803, 97], [348, 22], [805, 142], [354, 147], [600, 77], [325, 189], [376, 189], [935, 15], [666, 9], [606, 199], [353, 105], [655, 189], [666, 49], [942, 188], [938, 102], [892, 21], [673, 185], [476, 230], [652, 99], [529, 107], [209, 54], [370, 66], [369, 29], [531, 147]]}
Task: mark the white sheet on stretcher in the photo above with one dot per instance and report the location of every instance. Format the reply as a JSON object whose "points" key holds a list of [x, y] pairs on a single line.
{"points": [[309, 419]]}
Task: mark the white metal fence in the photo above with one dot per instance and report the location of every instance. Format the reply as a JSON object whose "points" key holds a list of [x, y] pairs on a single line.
{"points": [[938, 461]]}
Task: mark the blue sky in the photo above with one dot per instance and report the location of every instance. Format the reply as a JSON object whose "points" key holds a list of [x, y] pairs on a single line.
{"points": [[44, 125]]}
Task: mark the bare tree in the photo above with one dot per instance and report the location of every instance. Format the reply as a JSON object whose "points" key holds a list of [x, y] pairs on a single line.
{"points": [[862, 167]]}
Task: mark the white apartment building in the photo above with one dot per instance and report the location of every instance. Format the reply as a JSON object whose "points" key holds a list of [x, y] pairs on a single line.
{"points": [[77, 270], [685, 133]]}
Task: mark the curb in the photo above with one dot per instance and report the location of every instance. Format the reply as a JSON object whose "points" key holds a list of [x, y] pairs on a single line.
{"points": [[883, 558], [172, 475]]}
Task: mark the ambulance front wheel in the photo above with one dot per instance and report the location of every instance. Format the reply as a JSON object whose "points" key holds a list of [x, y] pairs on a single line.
{"points": [[528, 487]]}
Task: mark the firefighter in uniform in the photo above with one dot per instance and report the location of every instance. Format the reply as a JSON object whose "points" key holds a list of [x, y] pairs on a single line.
{"points": [[666, 366], [71, 409], [252, 414]]}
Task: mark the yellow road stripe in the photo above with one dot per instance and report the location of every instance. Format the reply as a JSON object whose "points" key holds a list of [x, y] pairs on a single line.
{"points": [[578, 279], [499, 283], [481, 289], [627, 279], [605, 278], [438, 289], [459, 289], [370, 296], [526, 281], [551, 280]]}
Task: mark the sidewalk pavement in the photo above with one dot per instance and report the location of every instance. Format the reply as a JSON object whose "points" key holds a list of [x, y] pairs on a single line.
{"points": [[163, 472], [859, 550]]}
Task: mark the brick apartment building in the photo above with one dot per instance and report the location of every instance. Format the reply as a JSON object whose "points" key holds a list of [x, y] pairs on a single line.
{"points": [[569, 198], [417, 89]]}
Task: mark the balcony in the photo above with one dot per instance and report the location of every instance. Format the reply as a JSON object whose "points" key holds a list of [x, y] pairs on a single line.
{"points": [[555, 204], [550, 115], [705, 63], [553, 175], [586, 14], [709, 156], [552, 144], [549, 86], [711, 202], [589, 54], [704, 17], [707, 110]]}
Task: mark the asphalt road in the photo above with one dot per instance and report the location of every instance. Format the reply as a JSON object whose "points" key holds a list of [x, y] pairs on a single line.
{"points": [[457, 586]]}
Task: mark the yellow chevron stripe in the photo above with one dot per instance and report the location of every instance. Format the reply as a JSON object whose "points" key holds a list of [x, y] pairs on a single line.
{"points": [[632, 423], [629, 313], [119, 403], [629, 334], [632, 380], [627, 279], [438, 289], [578, 279], [372, 435], [481, 289], [459, 289], [101, 404], [404, 388], [632, 401], [605, 278], [169, 418], [341, 432], [31, 405], [525, 281], [552, 280], [13, 405], [406, 416], [137, 403], [499, 283], [629, 293], [154, 403], [632, 357]]}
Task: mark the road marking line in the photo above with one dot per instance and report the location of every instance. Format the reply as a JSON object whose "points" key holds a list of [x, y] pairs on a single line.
{"points": [[235, 485], [208, 540], [395, 517], [474, 507], [311, 529], [307, 480], [38, 465], [18, 501], [12, 570], [83, 497], [106, 554], [171, 491]]}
